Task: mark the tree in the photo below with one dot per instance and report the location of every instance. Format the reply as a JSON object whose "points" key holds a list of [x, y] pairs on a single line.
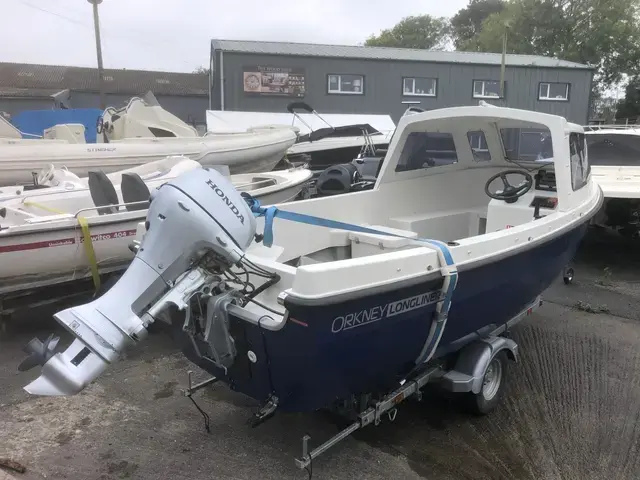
{"points": [[423, 31], [604, 108], [467, 23], [201, 70], [629, 107], [602, 33]]}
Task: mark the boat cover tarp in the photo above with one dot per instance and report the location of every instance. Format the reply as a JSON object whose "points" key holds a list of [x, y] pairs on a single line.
{"points": [[36, 121], [220, 121]]}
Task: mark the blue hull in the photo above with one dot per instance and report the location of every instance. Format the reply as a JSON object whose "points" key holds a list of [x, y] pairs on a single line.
{"points": [[325, 353]]}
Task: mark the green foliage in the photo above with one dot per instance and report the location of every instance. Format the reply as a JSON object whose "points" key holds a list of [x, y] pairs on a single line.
{"points": [[629, 107], [602, 33], [467, 23], [423, 31]]}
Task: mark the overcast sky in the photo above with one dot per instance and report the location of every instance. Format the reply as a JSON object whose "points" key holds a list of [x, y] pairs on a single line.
{"points": [[174, 34]]}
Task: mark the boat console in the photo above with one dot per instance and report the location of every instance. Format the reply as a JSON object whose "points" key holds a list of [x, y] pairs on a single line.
{"points": [[533, 198]]}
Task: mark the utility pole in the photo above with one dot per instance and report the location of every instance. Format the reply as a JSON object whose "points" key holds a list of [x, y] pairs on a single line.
{"points": [[503, 64], [96, 26]]}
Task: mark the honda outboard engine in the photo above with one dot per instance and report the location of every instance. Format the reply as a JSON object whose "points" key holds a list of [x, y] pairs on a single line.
{"points": [[198, 226]]}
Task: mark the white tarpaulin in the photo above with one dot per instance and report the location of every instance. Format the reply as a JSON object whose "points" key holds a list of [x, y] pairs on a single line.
{"points": [[219, 121]]}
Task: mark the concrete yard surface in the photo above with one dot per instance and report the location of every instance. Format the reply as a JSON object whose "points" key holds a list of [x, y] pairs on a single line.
{"points": [[572, 409]]}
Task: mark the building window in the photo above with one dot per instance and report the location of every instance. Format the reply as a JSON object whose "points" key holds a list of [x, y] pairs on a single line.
{"points": [[486, 89], [554, 91], [427, 150], [346, 84], [421, 87]]}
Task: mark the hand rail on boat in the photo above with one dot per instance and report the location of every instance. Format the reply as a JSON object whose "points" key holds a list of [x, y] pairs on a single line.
{"points": [[86, 209], [594, 128], [75, 215]]}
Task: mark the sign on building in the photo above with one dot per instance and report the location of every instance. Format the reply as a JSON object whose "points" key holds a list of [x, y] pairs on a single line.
{"points": [[267, 81]]}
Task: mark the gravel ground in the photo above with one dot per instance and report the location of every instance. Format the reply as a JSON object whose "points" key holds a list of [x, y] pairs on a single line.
{"points": [[572, 409]]}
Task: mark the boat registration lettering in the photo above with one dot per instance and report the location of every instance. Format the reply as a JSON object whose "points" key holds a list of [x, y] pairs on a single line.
{"points": [[375, 314]]}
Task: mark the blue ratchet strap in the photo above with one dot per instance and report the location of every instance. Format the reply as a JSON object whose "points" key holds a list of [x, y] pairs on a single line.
{"points": [[449, 268]]}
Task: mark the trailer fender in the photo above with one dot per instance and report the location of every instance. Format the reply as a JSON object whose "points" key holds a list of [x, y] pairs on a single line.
{"points": [[472, 362]]}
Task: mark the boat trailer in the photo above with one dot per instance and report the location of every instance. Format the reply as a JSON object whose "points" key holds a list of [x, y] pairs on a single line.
{"points": [[478, 372]]}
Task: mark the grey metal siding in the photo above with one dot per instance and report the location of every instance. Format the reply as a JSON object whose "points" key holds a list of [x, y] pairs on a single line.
{"points": [[14, 106], [383, 85]]}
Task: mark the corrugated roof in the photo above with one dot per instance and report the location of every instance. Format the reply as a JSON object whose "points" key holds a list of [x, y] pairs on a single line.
{"points": [[386, 53], [23, 78]]}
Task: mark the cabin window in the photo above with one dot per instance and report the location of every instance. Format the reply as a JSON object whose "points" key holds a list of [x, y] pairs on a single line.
{"points": [[553, 91], [419, 87], [345, 84], [580, 168], [479, 147], [527, 144], [426, 150], [486, 89]]}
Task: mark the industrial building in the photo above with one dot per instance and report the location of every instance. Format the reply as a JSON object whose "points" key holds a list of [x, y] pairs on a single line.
{"points": [[42, 87], [266, 76]]}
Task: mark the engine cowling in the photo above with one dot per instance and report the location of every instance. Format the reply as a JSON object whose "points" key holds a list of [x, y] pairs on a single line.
{"points": [[198, 215]]}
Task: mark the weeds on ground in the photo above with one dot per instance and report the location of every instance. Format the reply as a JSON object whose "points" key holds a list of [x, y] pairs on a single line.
{"points": [[605, 281], [587, 307]]}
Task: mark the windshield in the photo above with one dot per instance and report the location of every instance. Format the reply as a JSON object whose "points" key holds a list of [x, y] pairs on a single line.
{"points": [[527, 144]]}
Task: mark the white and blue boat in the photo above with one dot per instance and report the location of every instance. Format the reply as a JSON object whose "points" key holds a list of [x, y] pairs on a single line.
{"points": [[355, 301]]}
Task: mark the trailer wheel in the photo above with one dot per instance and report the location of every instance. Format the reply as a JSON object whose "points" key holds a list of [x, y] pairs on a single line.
{"points": [[493, 385]]}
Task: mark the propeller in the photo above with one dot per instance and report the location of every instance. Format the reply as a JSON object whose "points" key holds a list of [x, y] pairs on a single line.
{"points": [[39, 352]]}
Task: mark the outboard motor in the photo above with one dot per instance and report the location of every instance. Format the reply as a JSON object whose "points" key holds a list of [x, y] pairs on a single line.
{"points": [[198, 226], [338, 179]]}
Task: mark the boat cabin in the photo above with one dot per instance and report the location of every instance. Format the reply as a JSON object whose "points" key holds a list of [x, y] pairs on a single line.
{"points": [[454, 175]]}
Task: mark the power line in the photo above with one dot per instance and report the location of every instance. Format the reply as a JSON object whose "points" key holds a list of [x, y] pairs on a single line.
{"points": [[110, 38]]}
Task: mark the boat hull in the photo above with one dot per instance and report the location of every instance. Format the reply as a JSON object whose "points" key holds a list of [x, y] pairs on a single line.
{"points": [[17, 162], [329, 352]]}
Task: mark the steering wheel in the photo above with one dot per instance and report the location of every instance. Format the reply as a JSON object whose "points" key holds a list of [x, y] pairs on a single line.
{"points": [[45, 174], [510, 193]]}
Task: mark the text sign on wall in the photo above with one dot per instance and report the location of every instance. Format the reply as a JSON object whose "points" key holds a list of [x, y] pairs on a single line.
{"points": [[282, 81]]}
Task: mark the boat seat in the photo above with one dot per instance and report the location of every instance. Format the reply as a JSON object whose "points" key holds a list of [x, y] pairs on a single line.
{"points": [[134, 190], [103, 193]]}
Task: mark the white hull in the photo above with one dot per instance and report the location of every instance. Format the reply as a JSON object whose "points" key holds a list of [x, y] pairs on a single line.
{"points": [[617, 182], [257, 151], [52, 251]]}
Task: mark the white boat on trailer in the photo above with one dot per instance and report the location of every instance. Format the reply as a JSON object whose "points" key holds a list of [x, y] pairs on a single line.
{"points": [[82, 229], [134, 135], [351, 302], [614, 152]]}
